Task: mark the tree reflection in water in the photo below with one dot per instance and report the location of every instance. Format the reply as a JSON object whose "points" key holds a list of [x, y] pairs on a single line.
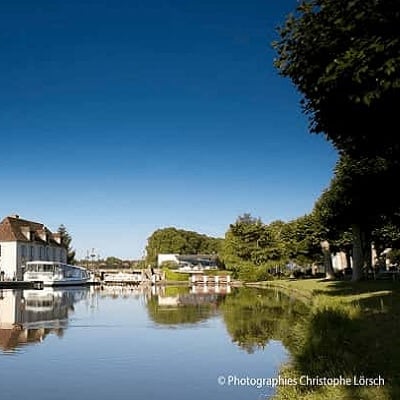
{"points": [[253, 317]]}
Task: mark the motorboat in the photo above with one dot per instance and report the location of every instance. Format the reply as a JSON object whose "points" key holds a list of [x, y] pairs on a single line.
{"points": [[56, 273]]}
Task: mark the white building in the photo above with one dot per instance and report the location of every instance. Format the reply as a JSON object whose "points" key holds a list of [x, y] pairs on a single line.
{"points": [[164, 258], [22, 241], [189, 262]]}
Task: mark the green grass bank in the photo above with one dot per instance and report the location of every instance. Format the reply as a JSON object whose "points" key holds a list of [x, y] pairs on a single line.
{"points": [[350, 330]]}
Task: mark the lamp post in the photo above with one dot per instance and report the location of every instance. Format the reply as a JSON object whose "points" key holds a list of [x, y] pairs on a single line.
{"points": [[93, 256]]}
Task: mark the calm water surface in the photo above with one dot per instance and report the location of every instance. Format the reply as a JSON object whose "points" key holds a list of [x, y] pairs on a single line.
{"points": [[119, 343]]}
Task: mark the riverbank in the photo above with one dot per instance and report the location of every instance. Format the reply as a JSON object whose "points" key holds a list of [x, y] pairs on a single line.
{"points": [[351, 331]]}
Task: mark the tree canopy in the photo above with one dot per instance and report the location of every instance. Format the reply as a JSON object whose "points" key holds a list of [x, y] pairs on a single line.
{"points": [[252, 249], [344, 58], [66, 240], [179, 241]]}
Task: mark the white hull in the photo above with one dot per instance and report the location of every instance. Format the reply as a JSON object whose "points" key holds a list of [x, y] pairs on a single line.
{"points": [[58, 282], [56, 274]]}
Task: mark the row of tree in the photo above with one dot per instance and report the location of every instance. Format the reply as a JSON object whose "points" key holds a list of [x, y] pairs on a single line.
{"points": [[344, 59], [252, 249]]}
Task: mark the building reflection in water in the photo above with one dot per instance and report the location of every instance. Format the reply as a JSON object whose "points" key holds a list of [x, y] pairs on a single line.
{"points": [[166, 295], [28, 316], [127, 291], [174, 306]]}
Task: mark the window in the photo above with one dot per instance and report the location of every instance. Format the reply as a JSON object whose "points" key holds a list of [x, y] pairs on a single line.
{"points": [[23, 251], [41, 253], [62, 255], [47, 253], [54, 254], [32, 253]]}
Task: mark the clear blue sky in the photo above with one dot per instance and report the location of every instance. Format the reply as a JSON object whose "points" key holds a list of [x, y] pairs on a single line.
{"points": [[119, 117]]}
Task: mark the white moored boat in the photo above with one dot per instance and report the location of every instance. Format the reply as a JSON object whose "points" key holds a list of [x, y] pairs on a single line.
{"points": [[55, 273], [122, 277]]}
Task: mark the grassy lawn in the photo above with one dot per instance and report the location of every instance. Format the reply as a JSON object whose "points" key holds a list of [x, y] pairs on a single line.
{"points": [[350, 330]]}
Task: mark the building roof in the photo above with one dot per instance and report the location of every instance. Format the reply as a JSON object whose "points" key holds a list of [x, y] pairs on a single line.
{"points": [[11, 230], [197, 257]]}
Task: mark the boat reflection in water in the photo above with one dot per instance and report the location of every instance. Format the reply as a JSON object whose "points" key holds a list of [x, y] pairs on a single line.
{"points": [[28, 316]]}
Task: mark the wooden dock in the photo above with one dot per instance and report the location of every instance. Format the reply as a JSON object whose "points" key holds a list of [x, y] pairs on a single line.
{"points": [[21, 285]]}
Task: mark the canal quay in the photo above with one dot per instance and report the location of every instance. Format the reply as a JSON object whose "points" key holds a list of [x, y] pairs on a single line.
{"points": [[135, 342]]}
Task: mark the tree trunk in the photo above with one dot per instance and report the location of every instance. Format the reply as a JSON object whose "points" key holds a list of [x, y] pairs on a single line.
{"points": [[329, 273], [358, 252], [348, 259], [367, 250]]}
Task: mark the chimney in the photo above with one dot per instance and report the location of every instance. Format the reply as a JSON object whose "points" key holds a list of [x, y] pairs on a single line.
{"points": [[16, 216]]}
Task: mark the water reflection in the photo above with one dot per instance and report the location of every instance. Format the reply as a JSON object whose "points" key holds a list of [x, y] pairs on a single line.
{"points": [[122, 336], [251, 317], [28, 316], [181, 305], [127, 291], [120, 344], [254, 317]]}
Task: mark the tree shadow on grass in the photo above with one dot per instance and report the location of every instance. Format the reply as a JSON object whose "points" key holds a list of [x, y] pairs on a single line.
{"points": [[327, 338], [336, 342], [348, 288]]}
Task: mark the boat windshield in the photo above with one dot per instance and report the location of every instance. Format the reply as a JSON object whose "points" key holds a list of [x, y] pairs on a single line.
{"points": [[40, 268]]}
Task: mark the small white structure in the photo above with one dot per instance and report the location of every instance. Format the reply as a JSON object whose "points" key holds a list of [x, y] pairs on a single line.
{"points": [[21, 241], [162, 258], [123, 277], [189, 262]]}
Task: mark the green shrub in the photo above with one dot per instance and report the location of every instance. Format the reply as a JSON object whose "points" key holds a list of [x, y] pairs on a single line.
{"points": [[175, 276], [169, 265]]}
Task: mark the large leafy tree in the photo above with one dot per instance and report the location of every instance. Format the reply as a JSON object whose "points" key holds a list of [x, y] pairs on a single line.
{"points": [[252, 249], [302, 238], [344, 58]]}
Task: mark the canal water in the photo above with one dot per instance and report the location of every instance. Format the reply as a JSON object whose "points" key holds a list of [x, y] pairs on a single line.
{"points": [[157, 343]]}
